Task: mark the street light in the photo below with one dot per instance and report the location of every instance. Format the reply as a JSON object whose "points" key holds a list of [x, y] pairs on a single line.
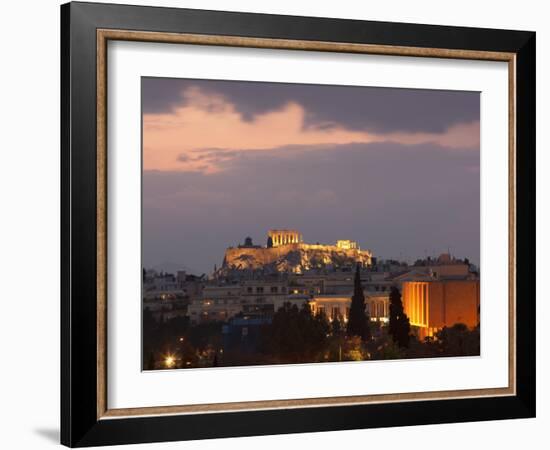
{"points": [[169, 361]]}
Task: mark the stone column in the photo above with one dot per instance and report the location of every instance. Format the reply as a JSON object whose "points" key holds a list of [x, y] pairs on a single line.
{"points": [[419, 302], [424, 304], [415, 303]]}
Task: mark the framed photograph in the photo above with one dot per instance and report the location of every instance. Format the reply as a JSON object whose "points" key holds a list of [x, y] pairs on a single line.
{"points": [[276, 224]]}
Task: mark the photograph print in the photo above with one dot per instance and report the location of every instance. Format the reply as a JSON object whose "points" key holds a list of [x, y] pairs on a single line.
{"points": [[304, 223]]}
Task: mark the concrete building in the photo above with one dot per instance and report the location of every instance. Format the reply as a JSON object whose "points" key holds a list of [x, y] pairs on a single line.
{"points": [[263, 296], [216, 303], [432, 305], [332, 306], [249, 297]]}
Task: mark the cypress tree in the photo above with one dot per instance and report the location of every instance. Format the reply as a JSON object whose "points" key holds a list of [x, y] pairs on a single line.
{"points": [[358, 321], [399, 327]]}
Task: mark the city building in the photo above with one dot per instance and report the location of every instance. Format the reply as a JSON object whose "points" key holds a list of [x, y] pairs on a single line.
{"points": [[257, 297], [434, 304], [216, 303], [436, 292]]}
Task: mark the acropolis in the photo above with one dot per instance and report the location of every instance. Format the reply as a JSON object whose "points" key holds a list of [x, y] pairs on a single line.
{"points": [[286, 251]]}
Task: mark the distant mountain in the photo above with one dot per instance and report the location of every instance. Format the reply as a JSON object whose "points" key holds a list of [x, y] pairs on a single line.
{"points": [[173, 268]]}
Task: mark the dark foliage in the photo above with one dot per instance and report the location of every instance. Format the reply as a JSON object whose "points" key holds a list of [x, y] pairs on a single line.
{"points": [[295, 335], [358, 322], [399, 327], [458, 340]]}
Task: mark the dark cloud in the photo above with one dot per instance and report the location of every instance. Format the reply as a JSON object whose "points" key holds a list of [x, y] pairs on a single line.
{"points": [[400, 201], [359, 108]]}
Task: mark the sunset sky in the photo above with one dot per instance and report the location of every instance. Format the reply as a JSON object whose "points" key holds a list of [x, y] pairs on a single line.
{"points": [[395, 169]]}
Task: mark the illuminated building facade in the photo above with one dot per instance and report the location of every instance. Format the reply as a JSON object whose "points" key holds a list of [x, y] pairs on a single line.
{"points": [[377, 306], [432, 305], [346, 244]]}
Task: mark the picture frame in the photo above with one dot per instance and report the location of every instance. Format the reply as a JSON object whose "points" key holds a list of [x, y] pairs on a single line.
{"points": [[86, 418]]}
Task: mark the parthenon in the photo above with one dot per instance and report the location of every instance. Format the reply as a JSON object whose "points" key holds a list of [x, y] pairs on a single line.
{"points": [[283, 237]]}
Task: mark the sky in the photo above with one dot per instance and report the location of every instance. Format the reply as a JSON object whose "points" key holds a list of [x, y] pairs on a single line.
{"points": [[396, 170]]}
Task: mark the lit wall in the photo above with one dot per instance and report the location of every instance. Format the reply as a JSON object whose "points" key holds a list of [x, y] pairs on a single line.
{"points": [[433, 305]]}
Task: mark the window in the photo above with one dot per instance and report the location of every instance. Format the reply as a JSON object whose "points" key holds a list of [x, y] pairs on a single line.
{"points": [[249, 290], [259, 290], [274, 289]]}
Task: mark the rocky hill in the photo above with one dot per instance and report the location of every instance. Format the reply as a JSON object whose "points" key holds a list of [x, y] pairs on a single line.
{"points": [[295, 258]]}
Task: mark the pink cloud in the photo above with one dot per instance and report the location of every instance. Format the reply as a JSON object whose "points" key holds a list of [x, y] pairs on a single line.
{"points": [[182, 139]]}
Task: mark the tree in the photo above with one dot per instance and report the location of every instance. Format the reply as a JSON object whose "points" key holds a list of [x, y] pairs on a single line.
{"points": [[269, 242], [295, 335], [151, 362], [337, 341], [458, 340], [336, 326], [358, 321], [399, 327], [355, 350], [151, 335]]}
